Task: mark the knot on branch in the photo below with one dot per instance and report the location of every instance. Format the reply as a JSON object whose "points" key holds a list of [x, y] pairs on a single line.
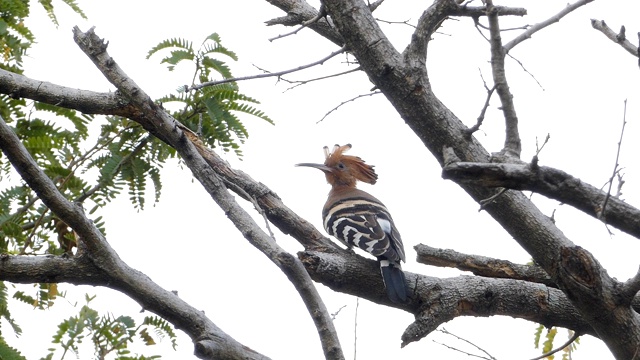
{"points": [[579, 265]]}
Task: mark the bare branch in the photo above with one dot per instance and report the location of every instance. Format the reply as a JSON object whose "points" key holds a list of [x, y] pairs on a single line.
{"points": [[260, 76], [490, 357], [481, 265], [512, 145], [304, 82], [347, 101], [552, 183], [601, 26], [541, 25], [615, 167], [480, 118]]}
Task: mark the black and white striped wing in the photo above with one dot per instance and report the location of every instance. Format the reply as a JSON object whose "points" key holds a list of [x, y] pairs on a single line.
{"points": [[366, 224]]}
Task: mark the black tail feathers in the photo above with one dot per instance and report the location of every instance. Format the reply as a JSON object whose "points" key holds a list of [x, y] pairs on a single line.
{"points": [[394, 281]]}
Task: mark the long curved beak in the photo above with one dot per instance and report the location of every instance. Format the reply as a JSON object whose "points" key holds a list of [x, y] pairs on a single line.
{"points": [[317, 166]]}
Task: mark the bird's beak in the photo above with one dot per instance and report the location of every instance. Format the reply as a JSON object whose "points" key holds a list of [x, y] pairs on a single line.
{"points": [[317, 166]]}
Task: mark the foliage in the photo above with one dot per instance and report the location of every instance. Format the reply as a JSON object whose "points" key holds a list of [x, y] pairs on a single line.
{"points": [[211, 111], [547, 345], [93, 160], [108, 334]]}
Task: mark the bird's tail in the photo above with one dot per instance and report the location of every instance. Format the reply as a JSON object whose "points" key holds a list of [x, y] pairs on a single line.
{"points": [[394, 281]]}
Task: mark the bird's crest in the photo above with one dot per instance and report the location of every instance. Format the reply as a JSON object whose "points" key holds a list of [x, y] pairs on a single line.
{"points": [[357, 167]]}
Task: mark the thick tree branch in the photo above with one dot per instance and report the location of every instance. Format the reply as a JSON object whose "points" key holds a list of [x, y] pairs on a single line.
{"points": [[552, 183], [436, 301], [161, 123], [482, 265], [88, 102]]}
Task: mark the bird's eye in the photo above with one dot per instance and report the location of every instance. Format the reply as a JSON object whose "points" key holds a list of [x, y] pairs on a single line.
{"points": [[341, 166]]}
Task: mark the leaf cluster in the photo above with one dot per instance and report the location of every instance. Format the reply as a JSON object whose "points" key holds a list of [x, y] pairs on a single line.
{"points": [[108, 334], [547, 344], [213, 111]]}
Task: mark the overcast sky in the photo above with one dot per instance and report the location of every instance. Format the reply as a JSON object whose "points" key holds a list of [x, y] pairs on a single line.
{"points": [[573, 89]]}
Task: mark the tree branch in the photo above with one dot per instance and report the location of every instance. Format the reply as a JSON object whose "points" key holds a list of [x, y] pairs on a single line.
{"points": [[541, 25], [552, 183], [260, 76], [512, 146], [436, 301], [601, 26], [482, 265]]}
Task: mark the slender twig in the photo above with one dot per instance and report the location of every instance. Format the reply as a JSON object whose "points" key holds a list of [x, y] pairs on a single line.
{"points": [[525, 70], [303, 82], [406, 22], [489, 200], [445, 331], [547, 354], [347, 101], [355, 330], [260, 76], [538, 147], [480, 118], [615, 167], [335, 314]]}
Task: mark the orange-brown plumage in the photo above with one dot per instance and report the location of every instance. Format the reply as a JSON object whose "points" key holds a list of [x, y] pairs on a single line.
{"points": [[344, 170]]}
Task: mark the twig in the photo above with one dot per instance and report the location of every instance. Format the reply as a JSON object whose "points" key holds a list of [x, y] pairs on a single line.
{"points": [[615, 167], [547, 354], [489, 200], [406, 22], [347, 101], [480, 118], [355, 330], [445, 331], [335, 314], [303, 82], [260, 76], [539, 148], [535, 159], [527, 71]]}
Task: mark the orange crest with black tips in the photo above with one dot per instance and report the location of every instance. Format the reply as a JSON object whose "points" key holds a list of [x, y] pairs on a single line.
{"points": [[346, 166]]}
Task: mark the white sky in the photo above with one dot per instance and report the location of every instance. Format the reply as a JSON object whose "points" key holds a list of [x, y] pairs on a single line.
{"points": [[186, 244]]}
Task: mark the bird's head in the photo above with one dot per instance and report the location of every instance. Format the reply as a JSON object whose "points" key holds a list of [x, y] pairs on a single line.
{"points": [[344, 170]]}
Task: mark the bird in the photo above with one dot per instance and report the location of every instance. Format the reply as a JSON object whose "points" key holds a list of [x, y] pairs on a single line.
{"points": [[357, 218]]}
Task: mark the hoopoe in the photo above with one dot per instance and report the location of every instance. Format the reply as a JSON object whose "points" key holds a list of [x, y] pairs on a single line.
{"points": [[356, 218]]}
